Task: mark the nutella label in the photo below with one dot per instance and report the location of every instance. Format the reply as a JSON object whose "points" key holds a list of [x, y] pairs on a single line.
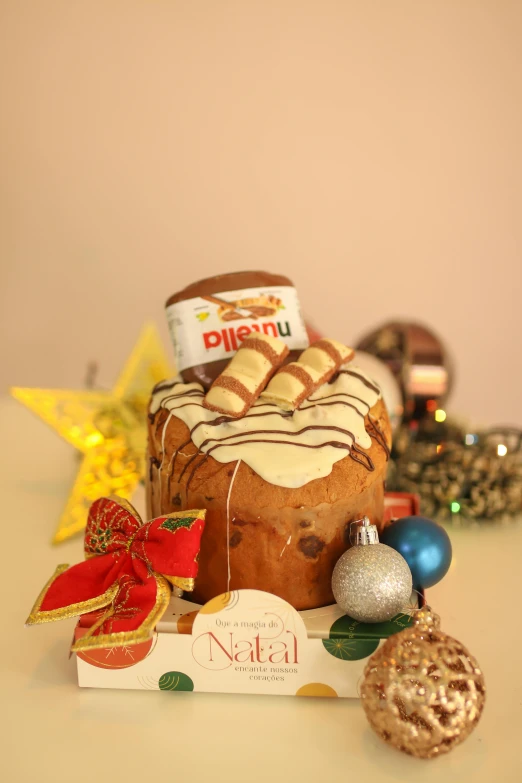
{"points": [[210, 328]]}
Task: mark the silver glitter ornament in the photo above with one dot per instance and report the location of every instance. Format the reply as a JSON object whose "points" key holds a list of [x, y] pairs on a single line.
{"points": [[371, 582]]}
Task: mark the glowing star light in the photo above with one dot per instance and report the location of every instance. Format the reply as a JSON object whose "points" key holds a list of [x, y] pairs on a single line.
{"points": [[108, 427]]}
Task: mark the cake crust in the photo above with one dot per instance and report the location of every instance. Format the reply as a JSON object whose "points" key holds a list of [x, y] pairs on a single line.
{"points": [[278, 539]]}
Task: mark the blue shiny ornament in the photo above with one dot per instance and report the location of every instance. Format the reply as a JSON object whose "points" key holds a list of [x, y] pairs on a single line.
{"points": [[424, 545]]}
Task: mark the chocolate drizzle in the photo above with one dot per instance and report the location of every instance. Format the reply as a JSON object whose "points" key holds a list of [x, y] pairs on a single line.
{"points": [[227, 419], [362, 378], [278, 412], [278, 432], [360, 456], [153, 463], [376, 433], [336, 444], [187, 464], [190, 393], [173, 461], [164, 385], [320, 404], [195, 468]]}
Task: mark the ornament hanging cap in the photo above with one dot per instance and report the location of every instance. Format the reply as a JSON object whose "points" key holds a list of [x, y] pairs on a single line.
{"points": [[366, 533]]}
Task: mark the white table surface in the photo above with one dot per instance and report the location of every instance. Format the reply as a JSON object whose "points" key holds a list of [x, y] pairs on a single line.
{"points": [[54, 731]]}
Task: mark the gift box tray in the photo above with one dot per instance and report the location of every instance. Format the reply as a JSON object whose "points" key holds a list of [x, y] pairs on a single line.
{"points": [[248, 641]]}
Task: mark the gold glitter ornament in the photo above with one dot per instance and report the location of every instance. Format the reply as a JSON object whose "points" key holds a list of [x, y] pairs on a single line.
{"points": [[423, 692], [108, 427]]}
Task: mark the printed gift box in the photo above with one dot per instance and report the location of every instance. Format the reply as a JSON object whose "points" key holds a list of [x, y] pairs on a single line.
{"points": [[248, 641]]}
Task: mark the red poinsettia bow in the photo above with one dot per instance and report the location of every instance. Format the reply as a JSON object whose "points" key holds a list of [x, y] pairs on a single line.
{"points": [[126, 575]]}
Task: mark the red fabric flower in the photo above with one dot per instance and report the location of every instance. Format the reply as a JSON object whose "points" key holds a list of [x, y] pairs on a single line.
{"points": [[125, 578]]}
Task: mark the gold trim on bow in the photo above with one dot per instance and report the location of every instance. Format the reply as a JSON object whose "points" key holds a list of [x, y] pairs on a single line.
{"points": [[71, 610], [183, 582], [125, 638]]}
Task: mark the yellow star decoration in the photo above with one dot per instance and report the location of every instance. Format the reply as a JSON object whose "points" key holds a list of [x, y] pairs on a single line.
{"points": [[108, 427]]}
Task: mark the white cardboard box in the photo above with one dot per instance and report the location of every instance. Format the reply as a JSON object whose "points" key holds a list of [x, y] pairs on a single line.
{"points": [[246, 641]]}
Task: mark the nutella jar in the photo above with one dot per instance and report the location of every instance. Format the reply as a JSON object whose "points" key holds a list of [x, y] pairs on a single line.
{"points": [[209, 319]]}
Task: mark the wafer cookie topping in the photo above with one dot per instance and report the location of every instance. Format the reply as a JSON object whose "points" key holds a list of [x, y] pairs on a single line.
{"points": [[295, 382], [241, 382]]}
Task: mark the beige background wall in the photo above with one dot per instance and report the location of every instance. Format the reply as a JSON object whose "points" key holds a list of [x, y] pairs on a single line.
{"points": [[370, 149]]}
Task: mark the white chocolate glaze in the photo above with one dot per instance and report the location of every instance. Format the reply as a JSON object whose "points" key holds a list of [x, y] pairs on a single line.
{"points": [[286, 449]]}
